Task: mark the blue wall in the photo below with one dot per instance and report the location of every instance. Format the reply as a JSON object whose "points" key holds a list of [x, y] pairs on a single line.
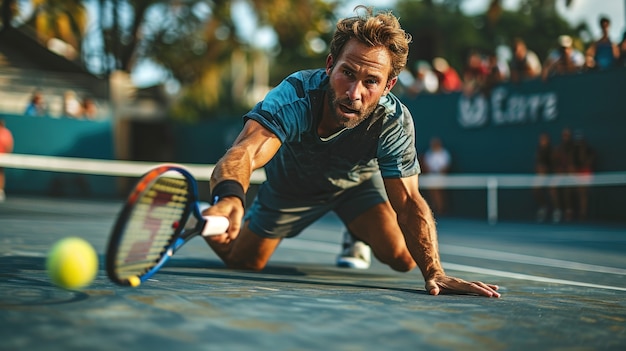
{"points": [[60, 137], [501, 136]]}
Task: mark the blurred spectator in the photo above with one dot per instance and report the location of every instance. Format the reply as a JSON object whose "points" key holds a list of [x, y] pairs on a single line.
{"points": [[475, 74], [496, 72], [36, 105], [602, 53], [437, 161], [6, 146], [584, 158], [425, 79], [71, 106], [524, 64], [405, 81], [564, 163], [449, 80], [563, 60], [622, 51], [543, 167], [89, 108]]}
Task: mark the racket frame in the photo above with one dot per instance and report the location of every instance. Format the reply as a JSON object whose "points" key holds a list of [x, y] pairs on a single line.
{"points": [[178, 238]]}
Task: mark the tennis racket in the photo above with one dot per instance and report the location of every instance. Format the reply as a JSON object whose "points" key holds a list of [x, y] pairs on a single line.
{"points": [[161, 214]]}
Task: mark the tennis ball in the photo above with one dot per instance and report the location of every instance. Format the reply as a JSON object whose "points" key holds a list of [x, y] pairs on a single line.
{"points": [[72, 263]]}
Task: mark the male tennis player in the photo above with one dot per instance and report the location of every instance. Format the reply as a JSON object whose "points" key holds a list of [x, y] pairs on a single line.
{"points": [[335, 139]]}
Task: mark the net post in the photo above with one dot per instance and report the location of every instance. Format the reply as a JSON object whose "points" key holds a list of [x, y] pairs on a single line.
{"points": [[492, 200]]}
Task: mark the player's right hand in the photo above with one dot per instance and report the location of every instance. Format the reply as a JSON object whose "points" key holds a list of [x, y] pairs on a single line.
{"points": [[231, 208]]}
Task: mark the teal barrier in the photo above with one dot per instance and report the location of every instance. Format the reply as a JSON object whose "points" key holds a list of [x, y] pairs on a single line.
{"points": [[60, 137], [499, 133]]}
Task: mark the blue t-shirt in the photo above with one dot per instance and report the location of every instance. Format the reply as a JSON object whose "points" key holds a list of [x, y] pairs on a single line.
{"points": [[307, 165]]}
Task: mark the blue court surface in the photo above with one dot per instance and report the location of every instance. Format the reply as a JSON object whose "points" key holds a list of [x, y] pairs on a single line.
{"points": [[564, 288]]}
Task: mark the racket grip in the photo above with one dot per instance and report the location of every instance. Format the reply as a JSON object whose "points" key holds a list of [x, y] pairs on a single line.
{"points": [[215, 225]]}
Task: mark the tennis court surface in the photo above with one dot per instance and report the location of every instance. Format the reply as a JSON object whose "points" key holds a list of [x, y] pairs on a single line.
{"points": [[564, 288]]}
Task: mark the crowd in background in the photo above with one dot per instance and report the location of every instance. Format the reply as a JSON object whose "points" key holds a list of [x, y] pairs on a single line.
{"points": [[73, 107], [556, 203], [572, 156], [484, 70]]}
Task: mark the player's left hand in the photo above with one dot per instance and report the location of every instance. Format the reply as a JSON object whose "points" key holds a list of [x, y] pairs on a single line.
{"points": [[451, 285]]}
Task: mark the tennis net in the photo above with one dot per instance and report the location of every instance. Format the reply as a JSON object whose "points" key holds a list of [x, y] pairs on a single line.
{"points": [[483, 195]]}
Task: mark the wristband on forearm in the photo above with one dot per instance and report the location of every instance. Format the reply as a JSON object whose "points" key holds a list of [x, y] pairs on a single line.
{"points": [[228, 188]]}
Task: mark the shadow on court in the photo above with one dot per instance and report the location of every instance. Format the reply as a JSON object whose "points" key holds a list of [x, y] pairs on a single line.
{"points": [[564, 288]]}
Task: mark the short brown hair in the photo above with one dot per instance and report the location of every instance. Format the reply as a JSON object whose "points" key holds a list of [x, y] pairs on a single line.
{"points": [[382, 29]]}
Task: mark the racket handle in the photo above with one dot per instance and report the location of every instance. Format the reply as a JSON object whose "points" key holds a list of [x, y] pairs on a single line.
{"points": [[215, 225]]}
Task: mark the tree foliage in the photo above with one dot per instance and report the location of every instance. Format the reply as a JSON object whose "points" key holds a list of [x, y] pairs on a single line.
{"points": [[299, 26], [50, 19], [196, 40]]}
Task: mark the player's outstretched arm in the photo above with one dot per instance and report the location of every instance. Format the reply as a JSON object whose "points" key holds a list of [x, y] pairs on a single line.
{"points": [[252, 149], [418, 226]]}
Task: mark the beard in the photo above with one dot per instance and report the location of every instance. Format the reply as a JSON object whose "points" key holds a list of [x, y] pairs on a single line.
{"points": [[340, 108]]}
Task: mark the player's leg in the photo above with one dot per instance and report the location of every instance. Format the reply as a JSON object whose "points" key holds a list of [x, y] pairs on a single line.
{"points": [[247, 251], [269, 219], [379, 227], [369, 217]]}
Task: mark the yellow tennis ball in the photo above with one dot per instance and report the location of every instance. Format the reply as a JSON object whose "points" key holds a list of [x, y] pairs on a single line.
{"points": [[72, 263]]}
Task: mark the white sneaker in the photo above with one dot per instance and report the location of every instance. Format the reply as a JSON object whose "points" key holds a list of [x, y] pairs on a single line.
{"points": [[355, 253]]}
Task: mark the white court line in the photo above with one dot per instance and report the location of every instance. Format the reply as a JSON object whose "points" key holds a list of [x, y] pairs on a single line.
{"points": [[328, 248], [526, 259], [497, 273]]}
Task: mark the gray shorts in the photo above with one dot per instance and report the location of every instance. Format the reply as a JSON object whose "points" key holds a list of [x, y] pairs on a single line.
{"points": [[273, 216]]}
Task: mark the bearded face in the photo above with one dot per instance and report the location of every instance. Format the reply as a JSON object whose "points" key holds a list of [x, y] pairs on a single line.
{"points": [[359, 77], [347, 113]]}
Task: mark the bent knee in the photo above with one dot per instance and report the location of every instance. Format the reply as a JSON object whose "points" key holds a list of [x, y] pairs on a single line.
{"points": [[403, 266], [402, 262]]}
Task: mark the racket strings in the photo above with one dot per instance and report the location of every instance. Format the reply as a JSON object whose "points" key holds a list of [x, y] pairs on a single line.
{"points": [[151, 225]]}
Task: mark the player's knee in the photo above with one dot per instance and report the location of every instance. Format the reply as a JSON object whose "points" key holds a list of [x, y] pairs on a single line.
{"points": [[399, 260], [403, 266], [402, 262]]}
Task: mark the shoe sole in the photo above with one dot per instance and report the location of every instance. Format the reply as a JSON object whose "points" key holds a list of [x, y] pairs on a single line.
{"points": [[355, 263]]}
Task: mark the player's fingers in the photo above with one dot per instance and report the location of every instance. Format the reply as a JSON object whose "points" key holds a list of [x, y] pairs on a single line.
{"points": [[492, 286], [218, 239], [233, 229], [486, 289], [452, 285], [432, 287]]}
